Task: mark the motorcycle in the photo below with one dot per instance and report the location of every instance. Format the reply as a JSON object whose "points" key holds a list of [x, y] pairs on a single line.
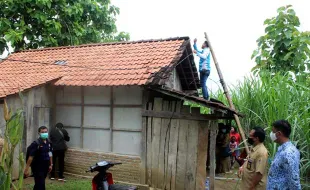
{"points": [[103, 180]]}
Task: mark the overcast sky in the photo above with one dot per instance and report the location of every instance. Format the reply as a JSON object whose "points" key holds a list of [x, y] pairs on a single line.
{"points": [[232, 26]]}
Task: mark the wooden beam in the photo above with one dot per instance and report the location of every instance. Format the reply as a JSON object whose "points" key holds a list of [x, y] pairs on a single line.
{"points": [[128, 106], [70, 126], [158, 102], [214, 126], [173, 148], [105, 128], [111, 118], [128, 130], [149, 152], [162, 156], [221, 108], [195, 110], [202, 155], [26, 114], [190, 66], [168, 114], [97, 128], [82, 118], [182, 151], [54, 107], [143, 168], [102, 105], [192, 152]]}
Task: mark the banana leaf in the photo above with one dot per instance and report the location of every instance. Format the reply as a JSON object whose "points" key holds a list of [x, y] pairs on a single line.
{"points": [[15, 126], [2, 178]]}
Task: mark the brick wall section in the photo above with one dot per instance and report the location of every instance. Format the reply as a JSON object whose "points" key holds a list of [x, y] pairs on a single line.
{"points": [[77, 161]]}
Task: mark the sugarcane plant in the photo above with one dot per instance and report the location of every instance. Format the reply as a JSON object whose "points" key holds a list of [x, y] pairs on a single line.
{"points": [[13, 135]]}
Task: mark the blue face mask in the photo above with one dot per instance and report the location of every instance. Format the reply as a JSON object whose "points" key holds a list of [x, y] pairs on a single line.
{"points": [[224, 130], [44, 135]]}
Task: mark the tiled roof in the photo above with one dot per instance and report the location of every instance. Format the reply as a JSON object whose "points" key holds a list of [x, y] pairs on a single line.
{"points": [[107, 64], [19, 76]]}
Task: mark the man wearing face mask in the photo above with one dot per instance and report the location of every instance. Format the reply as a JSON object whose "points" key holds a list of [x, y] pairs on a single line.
{"points": [[253, 172], [40, 159], [284, 170]]}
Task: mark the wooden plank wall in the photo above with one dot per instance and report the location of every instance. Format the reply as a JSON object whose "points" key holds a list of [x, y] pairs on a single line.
{"points": [[176, 149]]}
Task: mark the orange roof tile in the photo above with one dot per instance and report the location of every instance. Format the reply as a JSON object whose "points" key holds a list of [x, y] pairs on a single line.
{"points": [[106, 64]]}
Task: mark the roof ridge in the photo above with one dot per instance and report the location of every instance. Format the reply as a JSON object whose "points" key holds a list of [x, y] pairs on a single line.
{"points": [[106, 43]]}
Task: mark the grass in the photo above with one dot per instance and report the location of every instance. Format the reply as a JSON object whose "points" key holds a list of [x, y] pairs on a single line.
{"points": [[70, 184], [266, 100], [269, 99]]}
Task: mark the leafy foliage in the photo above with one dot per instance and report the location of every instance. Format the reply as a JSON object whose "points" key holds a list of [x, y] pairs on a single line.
{"points": [[265, 100], [12, 137], [31, 24], [283, 48]]}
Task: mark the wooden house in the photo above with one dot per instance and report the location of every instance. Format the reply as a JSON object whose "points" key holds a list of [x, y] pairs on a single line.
{"points": [[122, 102]]}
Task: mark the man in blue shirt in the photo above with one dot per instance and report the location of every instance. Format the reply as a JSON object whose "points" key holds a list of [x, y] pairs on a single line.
{"points": [[204, 66], [284, 170]]}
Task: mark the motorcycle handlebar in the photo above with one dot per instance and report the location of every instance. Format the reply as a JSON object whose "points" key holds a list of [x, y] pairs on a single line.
{"points": [[93, 168]]}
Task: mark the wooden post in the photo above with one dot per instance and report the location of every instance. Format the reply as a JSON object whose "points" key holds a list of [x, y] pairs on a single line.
{"points": [[226, 92], [173, 148], [182, 152], [213, 126], [25, 116], [143, 175], [202, 155], [149, 133], [156, 127], [82, 118], [111, 118], [162, 145]]}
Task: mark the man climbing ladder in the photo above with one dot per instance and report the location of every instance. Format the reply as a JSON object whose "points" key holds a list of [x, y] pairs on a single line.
{"points": [[204, 66]]}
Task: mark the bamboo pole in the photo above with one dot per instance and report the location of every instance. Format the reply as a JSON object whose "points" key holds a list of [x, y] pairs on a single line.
{"points": [[226, 92]]}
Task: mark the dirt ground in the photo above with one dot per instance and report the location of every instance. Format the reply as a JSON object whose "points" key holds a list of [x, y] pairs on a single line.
{"points": [[229, 181], [227, 184]]}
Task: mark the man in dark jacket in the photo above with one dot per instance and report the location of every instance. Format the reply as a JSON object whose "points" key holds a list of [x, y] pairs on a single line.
{"points": [[40, 159], [222, 149], [58, 137]]}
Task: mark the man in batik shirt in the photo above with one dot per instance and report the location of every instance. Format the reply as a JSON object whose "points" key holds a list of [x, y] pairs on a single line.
{"points": [[284, 170]]}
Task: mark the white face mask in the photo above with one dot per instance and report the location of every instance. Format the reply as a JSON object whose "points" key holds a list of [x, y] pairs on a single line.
{"points": [[273, 136]]}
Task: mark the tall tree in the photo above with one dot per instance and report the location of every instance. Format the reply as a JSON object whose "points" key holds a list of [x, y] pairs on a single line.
{"points": [[31, 24], [283, 48]]}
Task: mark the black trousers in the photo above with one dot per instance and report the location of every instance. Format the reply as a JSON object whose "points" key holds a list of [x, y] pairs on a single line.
{"points": [[60, 156], [40, 171]]}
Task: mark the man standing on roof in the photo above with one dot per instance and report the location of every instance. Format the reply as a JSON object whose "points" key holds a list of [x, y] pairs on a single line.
{"points": [[204, 66]]}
